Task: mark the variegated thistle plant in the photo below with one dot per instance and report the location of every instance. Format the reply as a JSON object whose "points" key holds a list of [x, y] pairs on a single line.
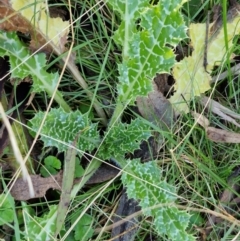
{"points": [[147, 35]]}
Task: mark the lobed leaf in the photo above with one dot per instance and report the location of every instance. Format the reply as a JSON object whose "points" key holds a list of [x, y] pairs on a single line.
{"points": [[146, 32], [61, 128], [124, 138], [143, 183], [23, 64]]}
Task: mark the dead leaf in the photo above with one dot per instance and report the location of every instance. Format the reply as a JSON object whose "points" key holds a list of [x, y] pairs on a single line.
{"points": [[201, 119], [235, 70], [40, 185], [128, 229], [219, 135], [156, 108], [29, 18], [12, 21], [161, 80], [220, 110], [20, 192], [190, 76], [216, 134]]}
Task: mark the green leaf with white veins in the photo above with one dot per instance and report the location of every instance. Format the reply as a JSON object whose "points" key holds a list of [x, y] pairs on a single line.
{"points": [[124, 138], [23, 64], [143, 182], [146, 32], [60, 129], [41, 228]]}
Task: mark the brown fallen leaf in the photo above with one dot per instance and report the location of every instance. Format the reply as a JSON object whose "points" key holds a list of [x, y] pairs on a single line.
{"points": [[219, 135], [216, 134], [20, 191], [222, 111], [128, 229], [12, 21], [156, 108], [201, 119], [161, 81], [33, 19]]}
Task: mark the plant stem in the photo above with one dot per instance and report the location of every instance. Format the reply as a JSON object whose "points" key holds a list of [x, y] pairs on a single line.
{"points": [[117, 113], [91, 169], [58, 98]]}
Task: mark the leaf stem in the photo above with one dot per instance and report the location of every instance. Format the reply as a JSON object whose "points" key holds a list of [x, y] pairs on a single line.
{"points": [[58, 98], [91, 169], [117, 113]]}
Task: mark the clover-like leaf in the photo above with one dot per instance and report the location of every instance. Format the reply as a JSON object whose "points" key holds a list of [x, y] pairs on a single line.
{"points": [[51, 166], [83, 230], [6, 211]]}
